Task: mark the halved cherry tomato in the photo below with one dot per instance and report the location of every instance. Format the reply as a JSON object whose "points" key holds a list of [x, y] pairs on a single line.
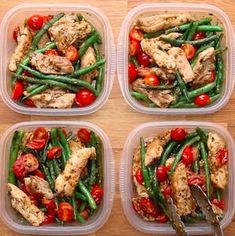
{"points": [[202, 100], [18, 90], [38, 173], [40, 133], [85, 214], [33, 200], [47, 18], [199, 35], [213, 76], [51, 52], [97, 193], [178, 134], [136, 34], [84, 135], [134, 47], [143, 59], [187, 156], [71, 53], [16, 33], [167, 191], [139, 177], [65, 212], [36, 144], [54, 152], [189, 50], [48, 220], [49, 203], [197, 180], [161, 173], [222, 157], [162, 218], [29, 102], [132, 72], [147, 206], [218, 203], [84, 97], [151, 80], [35, 22]]}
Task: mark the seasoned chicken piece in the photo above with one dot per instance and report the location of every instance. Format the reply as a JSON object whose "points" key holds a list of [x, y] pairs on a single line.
{"points": [[203, 67], [181, 192], [182, 64], [219, 174], [28, 136], [89, 59], [66, 182], [24, 41], [49, 64], [38, 187], [67, 31], [155, 148], [54, 98], [155, 23], [169, 161], [43, 41], [22, 203]]}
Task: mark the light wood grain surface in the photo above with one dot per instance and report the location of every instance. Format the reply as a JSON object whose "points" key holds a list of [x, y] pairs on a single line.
{"points": [[116, 118]]}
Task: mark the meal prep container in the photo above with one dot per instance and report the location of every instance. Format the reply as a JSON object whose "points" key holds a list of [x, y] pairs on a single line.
{"points": [[17, 15], [8, 214], [126, 184], [199, 10]]}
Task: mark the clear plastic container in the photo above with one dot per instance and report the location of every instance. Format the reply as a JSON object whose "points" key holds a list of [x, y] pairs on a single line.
{"points": [[197, 10], [8, 214], [126, 184], [17, 15]]}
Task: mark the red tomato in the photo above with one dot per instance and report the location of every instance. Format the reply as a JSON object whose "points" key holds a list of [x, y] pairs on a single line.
{"points": [[38, 173], [139, 177], [97, 193], [162, 218], [167, 191], [147, 206], [49, 203], [36, 144], [189, 50], [26, 73], [48, 220], [213, 76], [64, 131], [178, 134], [85, 214], [54, 152], [29, 102], [71, 53], [199, 35], [35, 22], [84, 97], [218, 203], [51, 52], [23, 188], [17, 90], [161, 173], [136, 34], [132, 72], [84, 135], [202, 100], [16, 33], [151, 80], [65, 212], [47, 18], [143, 59], [197, 180], [33, 200], [187, 155], [40, 133], [222, 157], [134, 47]]}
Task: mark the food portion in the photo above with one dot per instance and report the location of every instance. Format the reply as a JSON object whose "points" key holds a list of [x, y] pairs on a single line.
{"points": [[169, 164], [57, 62], [55, 175], [175, 61]]}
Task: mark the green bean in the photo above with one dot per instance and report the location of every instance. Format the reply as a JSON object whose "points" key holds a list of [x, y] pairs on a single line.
{"points": [[80, 196], [44, 154], [135, 61], [219, 73], [153, 35], [43, 30], [48, 176], [30, 88], [52, 171], [38, 90], [182, 85], [199, 91], [100, 80], [218, 194], [77, 216], [196, 166], [209, 28], [99, 158], [82, 206], [202, 135], [167, 151], [186, 33], [97, 51], [162, 87], [140, 96], [218, 42], [192, 31], [66, 148]]}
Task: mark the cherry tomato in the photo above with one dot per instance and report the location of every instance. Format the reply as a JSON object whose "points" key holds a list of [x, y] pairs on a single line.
{"points": [[33, 200], [29, 102], [71, 53], [64, 131], [47, 18], [134, 47], [36, 144], [35, 22], [213, 76], [178, 134], [48, 220], [49, 203], [40, 133], [132, 72], [54, 152], [139, 177], [187, 156], [38, 173], [84, 135], [167, 191], [84, 97], [136, 34], [18, 90], [65, 212], [161, 173], [51, 52], [16, 33], [199, 35], [222, 157], [189, 50], [147, 206], [85, 214], [143, 59], [202, 100], [97, 193], [23, 188], [218, 203], [151, 80], [197, 180], [162, 218]]}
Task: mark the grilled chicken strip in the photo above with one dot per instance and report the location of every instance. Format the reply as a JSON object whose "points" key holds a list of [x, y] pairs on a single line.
{"points": [[38, 187], [22, 203], [67, 31], [24, 40], [155, 23], [66, 182], [181, 192], [49, 64]]}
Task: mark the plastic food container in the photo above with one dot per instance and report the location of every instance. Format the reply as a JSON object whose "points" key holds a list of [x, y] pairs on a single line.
{"points": [[198, 10], [8, 214], [17, 15], [126, 184]]}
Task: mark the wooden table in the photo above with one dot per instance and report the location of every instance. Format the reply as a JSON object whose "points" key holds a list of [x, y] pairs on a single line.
{"points": [[116, 118]]}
